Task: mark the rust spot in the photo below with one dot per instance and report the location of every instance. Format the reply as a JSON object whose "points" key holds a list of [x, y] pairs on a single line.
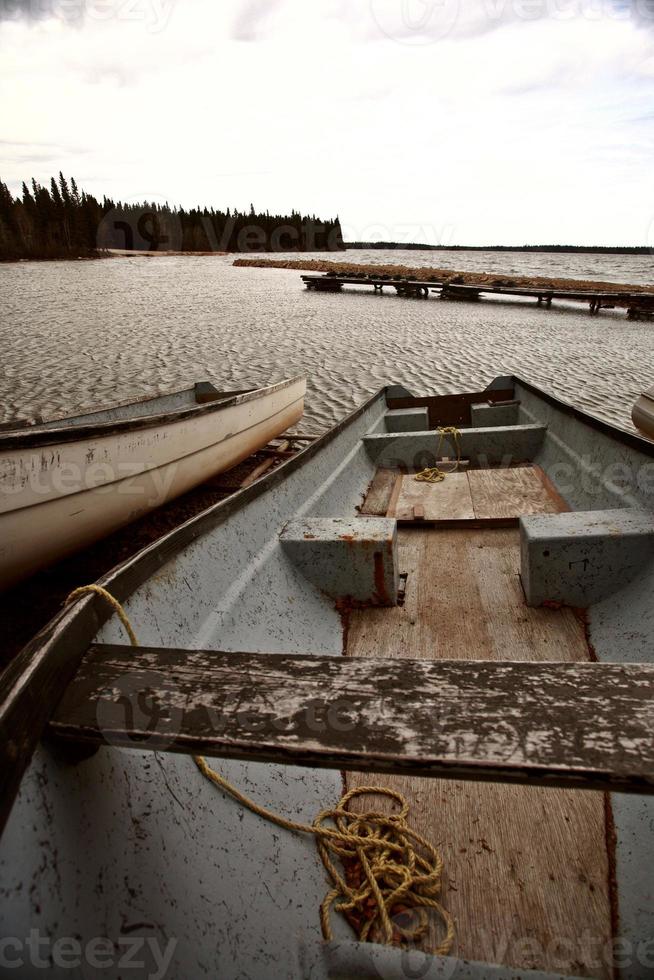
{"points": [[346, 537], [344, 608], [381, 594], [582, 617], [309, 537], [379, 597]]}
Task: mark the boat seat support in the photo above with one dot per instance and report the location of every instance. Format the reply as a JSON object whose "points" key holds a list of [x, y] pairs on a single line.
{"points": [[498, 413], [485, 446], [407, 420], [347, 559], [580, 558]]}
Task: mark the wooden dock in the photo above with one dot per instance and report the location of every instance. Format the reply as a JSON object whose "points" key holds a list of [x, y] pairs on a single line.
{"points": [[638, 305]]}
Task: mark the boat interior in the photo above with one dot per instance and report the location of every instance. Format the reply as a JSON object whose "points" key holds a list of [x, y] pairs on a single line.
{"points": [[512, 581]]}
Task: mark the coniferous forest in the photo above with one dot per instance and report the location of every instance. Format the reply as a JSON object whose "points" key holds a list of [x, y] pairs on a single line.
{"points": [[63, 222]]}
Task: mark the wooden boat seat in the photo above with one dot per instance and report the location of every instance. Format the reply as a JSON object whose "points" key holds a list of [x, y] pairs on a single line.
{"points": [[555, 724], [205, 391]]}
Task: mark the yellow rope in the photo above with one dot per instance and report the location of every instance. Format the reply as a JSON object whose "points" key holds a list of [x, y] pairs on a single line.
{"points": [[389, 873], [107, 596], [432, 474]]}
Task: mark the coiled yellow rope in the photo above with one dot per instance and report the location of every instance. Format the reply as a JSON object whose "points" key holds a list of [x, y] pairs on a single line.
{"points": [[432, 474], [390, 875]]}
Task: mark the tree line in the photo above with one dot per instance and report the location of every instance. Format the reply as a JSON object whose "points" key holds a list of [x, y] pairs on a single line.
{"points": [[63, 222]]}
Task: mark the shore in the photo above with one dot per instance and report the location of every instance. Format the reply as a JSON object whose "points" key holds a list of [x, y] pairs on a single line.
{"points": [[434, 273], [141, 253]]}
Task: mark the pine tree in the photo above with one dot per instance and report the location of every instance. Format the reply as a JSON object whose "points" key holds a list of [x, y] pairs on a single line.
{"points": [[62, 222]]}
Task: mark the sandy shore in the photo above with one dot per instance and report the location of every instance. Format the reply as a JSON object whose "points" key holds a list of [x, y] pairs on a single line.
{"points": [[140, 253], [468, 278]]}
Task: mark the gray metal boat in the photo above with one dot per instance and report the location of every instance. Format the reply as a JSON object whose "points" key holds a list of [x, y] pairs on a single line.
{"points": [[478, 640]]}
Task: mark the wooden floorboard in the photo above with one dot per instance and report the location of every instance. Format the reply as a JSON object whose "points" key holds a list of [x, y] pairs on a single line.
{"points": [[526, 868], [495, 497], [513, 492], [449, 500], [378, 497]]}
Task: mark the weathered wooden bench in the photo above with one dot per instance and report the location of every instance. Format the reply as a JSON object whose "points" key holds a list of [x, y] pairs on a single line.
{"points": [[555, 724]]}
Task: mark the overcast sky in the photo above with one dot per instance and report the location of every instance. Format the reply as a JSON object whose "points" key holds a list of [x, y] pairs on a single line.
{"points": [[445, 121]]}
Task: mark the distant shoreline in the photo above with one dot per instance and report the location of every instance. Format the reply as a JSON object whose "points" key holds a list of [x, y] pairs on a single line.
{"points": [[553, 249], [359, 246], [120, 253]]}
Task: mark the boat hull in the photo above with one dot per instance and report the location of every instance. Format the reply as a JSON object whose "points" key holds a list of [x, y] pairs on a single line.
{"points": [[155, 834], [59, 498], [643, 413]]}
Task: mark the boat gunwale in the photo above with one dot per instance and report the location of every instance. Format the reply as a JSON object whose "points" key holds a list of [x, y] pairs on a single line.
{"points": [[634, 440], [33, 438]]}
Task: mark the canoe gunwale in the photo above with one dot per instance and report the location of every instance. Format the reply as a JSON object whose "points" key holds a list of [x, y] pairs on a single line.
{"points": [[33, 438], [184, 456]]}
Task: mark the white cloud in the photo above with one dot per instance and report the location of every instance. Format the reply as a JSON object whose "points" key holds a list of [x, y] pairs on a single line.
{"points": [[506, 128]]}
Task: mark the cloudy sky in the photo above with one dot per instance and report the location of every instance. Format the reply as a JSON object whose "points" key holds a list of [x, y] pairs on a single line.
{"points": [[446, 121]]}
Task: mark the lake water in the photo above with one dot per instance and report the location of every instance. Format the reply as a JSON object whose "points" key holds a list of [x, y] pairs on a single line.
{"points": [[75, 335]]}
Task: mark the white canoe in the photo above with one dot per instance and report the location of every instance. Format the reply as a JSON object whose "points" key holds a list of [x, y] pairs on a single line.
{"points": [[67, 482], [643, 413]]}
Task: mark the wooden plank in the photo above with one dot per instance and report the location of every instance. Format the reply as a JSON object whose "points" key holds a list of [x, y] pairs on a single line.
{"points": [[378, 497], [509, 493], [395, 494], [519, 861], [448, 501], [564, 723], [298, 437], [264, 466]]}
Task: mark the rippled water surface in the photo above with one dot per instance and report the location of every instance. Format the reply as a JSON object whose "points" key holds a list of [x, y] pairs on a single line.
{"points": [[76, 335]]}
